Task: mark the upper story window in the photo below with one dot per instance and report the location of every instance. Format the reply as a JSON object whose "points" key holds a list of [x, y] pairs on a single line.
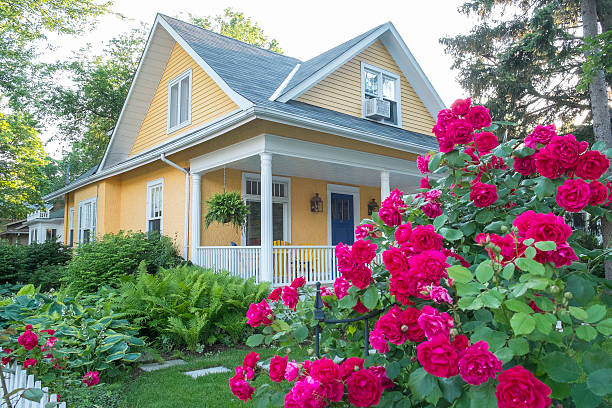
{"points": [[381, 97], [155, 204], [179, 101], [87, 220]]}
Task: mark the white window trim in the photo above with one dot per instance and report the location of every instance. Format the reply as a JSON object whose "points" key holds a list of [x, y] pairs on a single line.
{"points": [[82, 203], [70, 226], [150, 185], [398, 93], [286, 208], [176, 80], [340, 189]]}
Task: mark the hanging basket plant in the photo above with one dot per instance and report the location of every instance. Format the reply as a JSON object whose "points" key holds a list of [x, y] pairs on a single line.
{"points": [[226, 208]]}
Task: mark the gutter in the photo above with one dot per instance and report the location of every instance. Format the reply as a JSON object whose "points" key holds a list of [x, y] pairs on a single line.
{"points": [[162, 157], [237, 120]]}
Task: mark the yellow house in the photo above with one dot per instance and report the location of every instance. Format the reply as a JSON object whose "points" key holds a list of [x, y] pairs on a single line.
{"points": [[207, 113]]}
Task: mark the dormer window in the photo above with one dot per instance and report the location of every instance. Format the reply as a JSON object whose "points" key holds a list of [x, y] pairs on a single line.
{"points": [[179, 102], [381, 99]]}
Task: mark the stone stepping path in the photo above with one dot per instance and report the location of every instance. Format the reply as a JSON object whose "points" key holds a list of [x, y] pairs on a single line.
{"points": [[207, 371], [155, 366]]}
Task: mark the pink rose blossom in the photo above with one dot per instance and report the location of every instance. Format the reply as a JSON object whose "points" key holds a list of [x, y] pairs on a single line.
{"points": [[402, 233], [278, 367], [461, 106], [478, 364], [292, 371], [485, 142], [541, 134], [423, 163], [434, 323], [440, 295], [91, 378], [290, 297], [377, 340], [479, 117], [341, 287], [260, 313], [363, 231]]}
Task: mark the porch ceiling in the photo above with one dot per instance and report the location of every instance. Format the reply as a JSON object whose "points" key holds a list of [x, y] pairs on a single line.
{"points": [[333, 172]]}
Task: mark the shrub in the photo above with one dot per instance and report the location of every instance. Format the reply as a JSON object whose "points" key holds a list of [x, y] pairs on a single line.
{"points": [[90, 335], [30, 263], [482, 299], [189, 305], [105, 261]]}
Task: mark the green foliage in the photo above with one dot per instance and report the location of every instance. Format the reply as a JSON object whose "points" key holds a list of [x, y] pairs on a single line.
{"points": [[87, 111], [189, 305], [22, 161], [599, 57], [524, 63], [106, 261], [91, 334], [235, 25], [38, 264], [25, 23], [226, 208]]}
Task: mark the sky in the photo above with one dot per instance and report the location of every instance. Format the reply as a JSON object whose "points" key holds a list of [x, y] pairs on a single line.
{"points": [[303, 29]]}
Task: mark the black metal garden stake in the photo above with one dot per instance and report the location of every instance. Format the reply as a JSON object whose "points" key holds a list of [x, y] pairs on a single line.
{"points": [[319, 314]]}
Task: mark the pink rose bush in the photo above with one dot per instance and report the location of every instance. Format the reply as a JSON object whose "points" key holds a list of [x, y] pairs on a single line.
{"points": [[475, 287]]}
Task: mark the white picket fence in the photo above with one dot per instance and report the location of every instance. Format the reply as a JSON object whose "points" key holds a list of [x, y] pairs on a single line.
{"points": [[16, 378]]}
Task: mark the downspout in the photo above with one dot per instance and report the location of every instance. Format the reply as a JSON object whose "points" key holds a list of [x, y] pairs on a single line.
{"points": [[162, 157]]}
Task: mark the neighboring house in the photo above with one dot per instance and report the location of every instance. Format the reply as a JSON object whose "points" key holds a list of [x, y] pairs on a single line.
{"points": [[15, 232], [46, 225], [207, 113]]}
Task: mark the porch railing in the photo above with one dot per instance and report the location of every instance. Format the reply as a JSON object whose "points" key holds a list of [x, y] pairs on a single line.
{"points": [[316, 263], [241, 261], [38, 214]]}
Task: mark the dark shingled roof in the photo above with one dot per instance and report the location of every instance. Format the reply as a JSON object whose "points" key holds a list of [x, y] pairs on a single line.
{"points": [[256, 73], [313, 65]]}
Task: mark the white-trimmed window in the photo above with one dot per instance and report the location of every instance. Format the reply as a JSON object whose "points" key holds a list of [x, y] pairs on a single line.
{"points": [[281, 207], [71, 226], [179, 101], [155, 205], [87, 220], [385, 85]]}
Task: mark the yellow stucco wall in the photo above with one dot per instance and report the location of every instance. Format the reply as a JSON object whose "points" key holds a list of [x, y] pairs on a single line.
{"points": [[218, 234], [307, 228], [341, 90], [208, 102]]}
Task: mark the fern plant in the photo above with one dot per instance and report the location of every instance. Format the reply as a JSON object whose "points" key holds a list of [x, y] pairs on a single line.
{"points": [[226, 208], [189, 305]]}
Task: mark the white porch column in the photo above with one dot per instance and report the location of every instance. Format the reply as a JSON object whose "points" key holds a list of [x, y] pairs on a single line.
{"points": [[196, 214], [266, 218], [385, 189]]}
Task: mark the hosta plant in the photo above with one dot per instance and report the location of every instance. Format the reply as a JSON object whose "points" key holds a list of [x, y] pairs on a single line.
{"points": [[483, 299]]}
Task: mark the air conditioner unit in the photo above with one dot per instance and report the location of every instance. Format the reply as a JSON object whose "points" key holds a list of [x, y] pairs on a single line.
{"points": [[378, 109]]}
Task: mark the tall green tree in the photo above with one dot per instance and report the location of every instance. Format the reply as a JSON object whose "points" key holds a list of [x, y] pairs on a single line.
{"points": [[22, 163], [234, 24], [86, 111], [24, 25], [524, 59]]}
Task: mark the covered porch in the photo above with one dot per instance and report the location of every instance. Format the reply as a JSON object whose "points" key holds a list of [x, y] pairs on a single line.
{"points": [[279, 178]]}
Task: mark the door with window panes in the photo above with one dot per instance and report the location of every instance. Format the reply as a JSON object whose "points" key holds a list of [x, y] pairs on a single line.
{"points": [[280, 210]]}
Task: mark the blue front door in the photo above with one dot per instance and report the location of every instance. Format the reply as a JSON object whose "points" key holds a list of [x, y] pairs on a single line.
{"points": [[342, 218]]}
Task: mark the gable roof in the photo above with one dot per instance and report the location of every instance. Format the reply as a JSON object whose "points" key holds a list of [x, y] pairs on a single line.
{"points": [[258, 81]]}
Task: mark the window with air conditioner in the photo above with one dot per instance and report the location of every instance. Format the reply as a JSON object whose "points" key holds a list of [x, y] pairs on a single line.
{"points": [[155, 205], [381, 96], [87, 220], [179, 102]]}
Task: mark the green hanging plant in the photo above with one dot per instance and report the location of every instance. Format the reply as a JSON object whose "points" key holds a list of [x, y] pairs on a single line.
{"points": [[226, 208]]}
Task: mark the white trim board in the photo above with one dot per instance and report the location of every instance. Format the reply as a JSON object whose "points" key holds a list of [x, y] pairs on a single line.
{"points": [[399, 51], [300, 149], [340, 189], [160, 43]]}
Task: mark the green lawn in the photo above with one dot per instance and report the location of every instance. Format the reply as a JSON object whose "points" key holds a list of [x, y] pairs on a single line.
{"points": [[169, 388]]}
